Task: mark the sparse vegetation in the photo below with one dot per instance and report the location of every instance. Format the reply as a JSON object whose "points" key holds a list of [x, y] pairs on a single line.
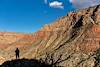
{"points": [[97, 58]]}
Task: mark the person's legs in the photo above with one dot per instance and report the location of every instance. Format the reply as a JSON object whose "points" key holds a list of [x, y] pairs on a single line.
{"points": [[16, 56]]}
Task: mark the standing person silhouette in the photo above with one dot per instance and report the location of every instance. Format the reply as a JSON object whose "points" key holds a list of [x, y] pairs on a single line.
{"points": [[17, 53]]}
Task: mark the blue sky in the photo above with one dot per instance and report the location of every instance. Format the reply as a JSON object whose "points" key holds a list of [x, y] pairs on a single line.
{"points": [[30, 15]]}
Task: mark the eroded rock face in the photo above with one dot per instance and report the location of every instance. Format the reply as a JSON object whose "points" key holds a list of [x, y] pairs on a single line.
{"points": [[75, 38], [76, 35]]}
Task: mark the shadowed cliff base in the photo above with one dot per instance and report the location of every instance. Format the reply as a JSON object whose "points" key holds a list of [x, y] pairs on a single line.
{"points": [[26, 63]]}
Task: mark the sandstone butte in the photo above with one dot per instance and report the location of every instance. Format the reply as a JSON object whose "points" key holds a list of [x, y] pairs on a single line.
{"points": [[75, 38]]}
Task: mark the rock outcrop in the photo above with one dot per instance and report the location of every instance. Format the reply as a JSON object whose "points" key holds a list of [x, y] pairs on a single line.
{"points": [[72, 41], [25, 63]]}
